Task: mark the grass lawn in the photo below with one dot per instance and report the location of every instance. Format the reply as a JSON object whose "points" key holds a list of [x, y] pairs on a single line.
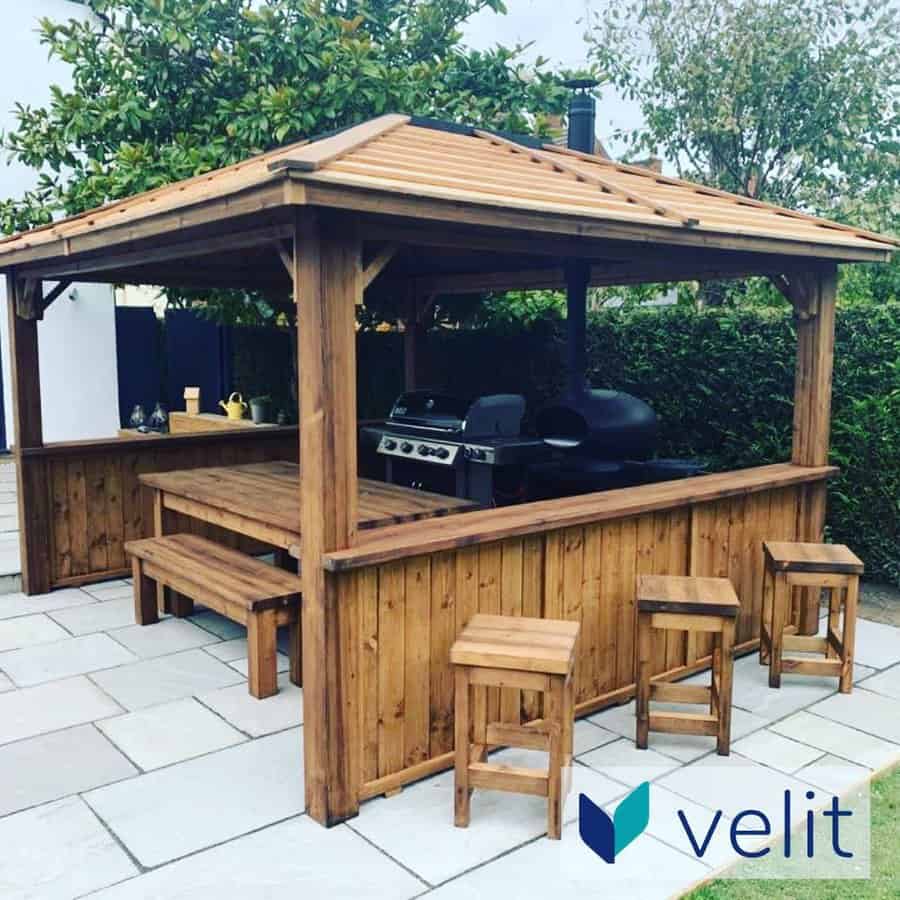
{"points": [[883, 885]]}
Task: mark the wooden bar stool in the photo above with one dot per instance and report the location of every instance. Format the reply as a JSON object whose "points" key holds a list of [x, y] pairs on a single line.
{"points": [[832, 567], [525, 654], [681, 603]]}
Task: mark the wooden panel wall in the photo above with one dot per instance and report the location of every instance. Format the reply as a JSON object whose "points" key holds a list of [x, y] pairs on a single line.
{"points": [[96, 502], [407, 613]]}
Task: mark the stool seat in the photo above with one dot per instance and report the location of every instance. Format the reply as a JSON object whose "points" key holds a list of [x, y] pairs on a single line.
{"points": [[836, 559], [689, 595], [519, 643]]}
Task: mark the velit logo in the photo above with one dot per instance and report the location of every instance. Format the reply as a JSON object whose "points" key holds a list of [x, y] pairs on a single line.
{"points": [[609, 836]]}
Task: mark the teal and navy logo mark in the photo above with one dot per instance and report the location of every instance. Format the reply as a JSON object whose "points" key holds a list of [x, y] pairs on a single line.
{"points": [[606, 836]]}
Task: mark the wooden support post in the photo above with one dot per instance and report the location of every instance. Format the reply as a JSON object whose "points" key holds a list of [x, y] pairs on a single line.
{"points": [[813, 295], [34, 497], [327, 283], [417, 312]]}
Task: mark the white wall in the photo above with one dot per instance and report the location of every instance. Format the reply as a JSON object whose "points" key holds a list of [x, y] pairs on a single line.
{"points": [[79, 383]]}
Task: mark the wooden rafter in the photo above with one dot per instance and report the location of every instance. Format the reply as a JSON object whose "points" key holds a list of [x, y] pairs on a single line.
{"points": [[605, 184], [286, 254]]}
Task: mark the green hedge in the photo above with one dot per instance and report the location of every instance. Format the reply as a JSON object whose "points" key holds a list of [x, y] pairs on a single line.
{"points": [[722, 383]]}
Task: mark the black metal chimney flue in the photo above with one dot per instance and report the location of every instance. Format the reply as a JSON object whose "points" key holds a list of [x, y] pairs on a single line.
{"points": [[582, 115], [582, 136]]}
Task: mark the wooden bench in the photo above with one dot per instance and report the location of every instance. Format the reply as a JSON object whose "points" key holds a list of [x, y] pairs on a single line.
{"points": [[235, 585]]}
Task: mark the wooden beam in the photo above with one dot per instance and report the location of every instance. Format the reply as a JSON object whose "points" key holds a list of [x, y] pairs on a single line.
{"points": [[319, 153], [814, 296], [378, 263], [590, 178], [327, 283], [179, 250], [286, 254], [31, 478], [57, 292]]}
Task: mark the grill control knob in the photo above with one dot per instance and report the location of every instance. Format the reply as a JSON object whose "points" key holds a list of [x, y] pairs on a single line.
{"points": [[390, 445], [406, 447], [442, 453], [424, 451], [477, 453]]}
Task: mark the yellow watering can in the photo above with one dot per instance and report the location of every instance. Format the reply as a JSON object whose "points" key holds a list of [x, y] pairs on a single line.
{"points": [[235, 407]]}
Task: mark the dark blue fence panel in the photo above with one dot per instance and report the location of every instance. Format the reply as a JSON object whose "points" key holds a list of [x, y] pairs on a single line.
{"points": [[139, 360], [198, 354]]}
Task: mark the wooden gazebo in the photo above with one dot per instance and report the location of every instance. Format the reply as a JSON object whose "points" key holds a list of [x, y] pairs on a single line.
{"points": [[399, 204]]}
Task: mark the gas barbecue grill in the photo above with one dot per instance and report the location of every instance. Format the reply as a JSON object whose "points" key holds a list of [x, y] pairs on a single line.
{"points": [[437, 442]]}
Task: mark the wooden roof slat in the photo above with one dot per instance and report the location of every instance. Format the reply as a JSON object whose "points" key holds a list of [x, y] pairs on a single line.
{"points": [[318, 154], [604, 183], [737, 199]]}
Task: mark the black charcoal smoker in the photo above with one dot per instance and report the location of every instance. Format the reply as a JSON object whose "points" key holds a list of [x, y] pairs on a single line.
{"points": [[601, 439]]}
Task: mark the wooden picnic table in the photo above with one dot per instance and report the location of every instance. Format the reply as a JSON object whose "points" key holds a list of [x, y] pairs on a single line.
{"points": [[262, 501]]}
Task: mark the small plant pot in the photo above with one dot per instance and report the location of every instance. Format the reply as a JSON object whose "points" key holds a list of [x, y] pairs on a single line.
{"points": [[259, 412]]}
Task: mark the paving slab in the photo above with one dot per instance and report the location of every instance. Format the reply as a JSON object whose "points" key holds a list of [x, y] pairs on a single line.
{"points": [[153, 681], [193, 805], [51, 766], [165, 637], [5, 684], [886, 682], [834, 775], [841, 740], [62, 659], [566, 869], [19, 604], [776, 751], [877, 644], [219, 626], [282, 664], [257, 717], [169, 733], [57, 852], [229, 651], [297, 858], [26, 631], [622, 761], [50, 707], [865, 711], [96, 617]]}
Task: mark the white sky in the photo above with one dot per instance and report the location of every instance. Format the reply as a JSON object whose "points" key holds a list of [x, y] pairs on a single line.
{"points": [[556, 28]]}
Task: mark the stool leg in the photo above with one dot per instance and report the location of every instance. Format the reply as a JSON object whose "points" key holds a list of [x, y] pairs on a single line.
{"points": [[848, 640], [765, 644], [145, 610], [555, 716], [726, 675], [834, 618], [479, 721], [781, 599], [295, 651], [461, 803], [262, 654], [642, 680]]}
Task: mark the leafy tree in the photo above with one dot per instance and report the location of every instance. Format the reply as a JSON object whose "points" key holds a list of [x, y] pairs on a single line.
{"points": [[166, 89], [796, 102]]}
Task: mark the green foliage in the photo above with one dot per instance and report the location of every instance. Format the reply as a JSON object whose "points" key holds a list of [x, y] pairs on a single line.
{"points": [[166, 89]]}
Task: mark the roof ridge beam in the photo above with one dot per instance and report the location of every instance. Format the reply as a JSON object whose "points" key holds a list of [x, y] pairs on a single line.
{"points": [[736, 199], [319, 154], [589, 178]]}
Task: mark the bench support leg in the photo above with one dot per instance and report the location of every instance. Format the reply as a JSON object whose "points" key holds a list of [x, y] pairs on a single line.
{"points": [[179, 605], [145, 611], [263, 663], [296, 652]]}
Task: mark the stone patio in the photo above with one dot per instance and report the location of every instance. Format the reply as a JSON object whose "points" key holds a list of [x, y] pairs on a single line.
{"points": [[134, 764]]}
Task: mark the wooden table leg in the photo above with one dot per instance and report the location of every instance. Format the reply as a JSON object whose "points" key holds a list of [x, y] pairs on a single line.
{"points": [[765, 625], [461, 803]]}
